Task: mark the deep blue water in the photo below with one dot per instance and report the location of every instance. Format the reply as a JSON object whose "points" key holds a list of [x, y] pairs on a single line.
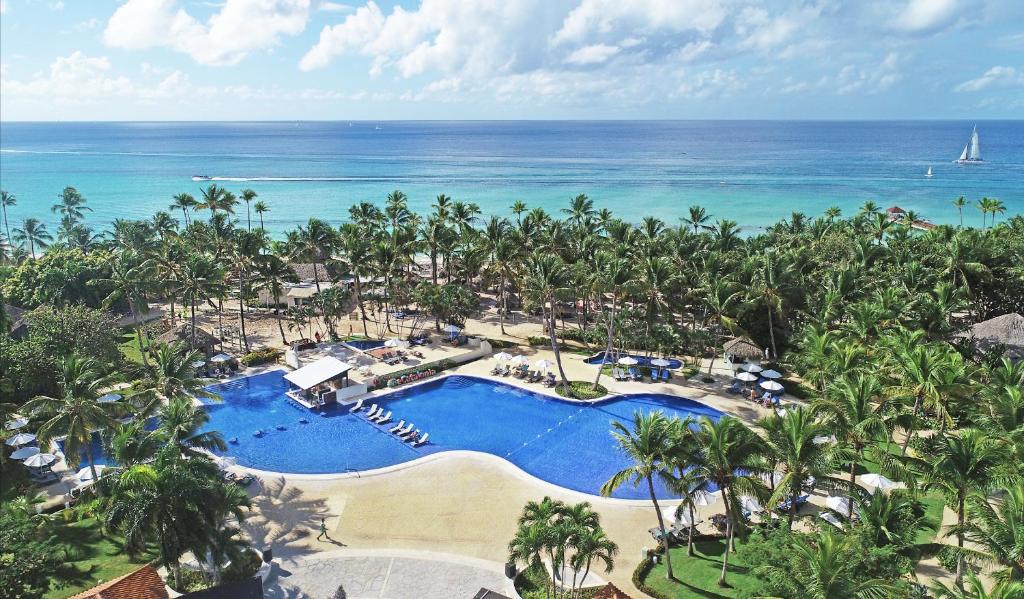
{"points": [[754, 172], [560, 442], [366, 344], [599, 358]]}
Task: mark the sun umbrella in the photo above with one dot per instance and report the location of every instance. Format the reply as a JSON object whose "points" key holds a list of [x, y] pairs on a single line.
{"points": [[772, 386], [839, 504], [750, 504], [502, 356], [878, 481], [660, 362], [543, 364], [823, 439], [668, 514], [221, 358], [15, 424], [773, 479], [85, 474], [396, 343], [747, 377], [24, 453], [705, 499], [520, 360], [750, 367], [771, 374], [628, 361], [452, 329], [40, 459], [21, 439], [198, 363], [225, 461], [109, 398]]}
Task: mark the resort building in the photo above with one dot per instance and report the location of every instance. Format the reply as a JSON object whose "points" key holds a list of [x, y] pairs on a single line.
{"points": [[323, 382], [144, 583]]}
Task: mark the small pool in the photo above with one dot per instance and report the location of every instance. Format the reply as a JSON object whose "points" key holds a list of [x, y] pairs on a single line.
{"points": [[366, 344], [98, 447], [641, 360], [564, 443]]}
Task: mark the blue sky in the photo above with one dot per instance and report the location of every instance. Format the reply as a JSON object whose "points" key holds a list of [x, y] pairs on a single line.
{"points": [[510, 59]]}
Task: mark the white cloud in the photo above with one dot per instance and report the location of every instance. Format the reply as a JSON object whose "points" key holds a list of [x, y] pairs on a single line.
{"points": [[595, 54], [69, 77], [357, 30], [228, 36], [718, 82], [3, 7], [926, 16], [87, 24], [996, 77], [870, 79], [334, 7], [638, 16], [56, 6]]}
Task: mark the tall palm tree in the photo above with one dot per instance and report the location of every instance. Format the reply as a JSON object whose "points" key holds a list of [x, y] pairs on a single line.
{"points": [[547, 278], [71, 206], [170, 377], [74, 412], [960, 203], [917, 369], [539, 518], [518, 208], [698, 216], [217, 199], [771, 281], [183, 202], [33, 233], [729, 456], [271, 274], [245, 253], [261, 208], [612, 275], [354, 247], [180, 423], [314, 242], [131, 281], [996, 530], [248, 195], [7, 200], [977, 589], [199, 278], [647, 444], [722, 296]]}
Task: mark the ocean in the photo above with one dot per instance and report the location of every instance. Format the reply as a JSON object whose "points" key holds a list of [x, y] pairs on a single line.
{"points": [[753, 172]]}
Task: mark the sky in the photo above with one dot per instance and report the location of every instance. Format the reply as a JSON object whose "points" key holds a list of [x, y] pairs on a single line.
{"points": [[510, 59]]}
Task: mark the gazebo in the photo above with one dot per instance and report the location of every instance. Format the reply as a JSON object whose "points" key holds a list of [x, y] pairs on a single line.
{"points": [[204, 341], [318, 383], [742, 347], [1002, 331]]}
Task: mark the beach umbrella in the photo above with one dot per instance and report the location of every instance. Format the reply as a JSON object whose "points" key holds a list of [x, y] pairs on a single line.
{"points": [[750, 367], [772, 386], [746, 377], [24, 453], [660, 362], [396, 343], [221, 358], [771, 374], [40, 459], [15, 424], [225, 461], [705, 499], [109, 398], [502, 356], [839, 504], [669, 514], [773, 479], [628, 361], [452, 329], [878, 481], [750, 504], [198, 363], [543, 364], [21, 439], [823, 439], [85, 474], [520, 361]]}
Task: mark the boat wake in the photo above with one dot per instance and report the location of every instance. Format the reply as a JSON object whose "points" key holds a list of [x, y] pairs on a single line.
{"points": [[289, 179]]}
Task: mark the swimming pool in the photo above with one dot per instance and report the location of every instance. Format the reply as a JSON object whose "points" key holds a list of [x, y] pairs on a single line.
{"points": [[565, 443], [598, 358], [366, 344]]}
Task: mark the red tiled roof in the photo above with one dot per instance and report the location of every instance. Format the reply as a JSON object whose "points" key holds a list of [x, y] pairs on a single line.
{"points": [[895, 210], [610, 591], [143, 583]]}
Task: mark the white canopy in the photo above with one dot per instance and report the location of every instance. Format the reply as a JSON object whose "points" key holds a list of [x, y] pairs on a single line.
{"points": [[747, 377], [15, 424], [85, 474], [396, 343], [669, 515], [660, 362], [109, 398], [750, 367], [313, 374], [878, 481], [704, 498], [839, 504], [543, 364], [198, 363], [628, 361], [750, 504], [771, 374], [823, 439], [520, 360], [41, 459], [21, 439], [451, 329], [772, 386], [221, 358], [502, 356], [24, 453]]}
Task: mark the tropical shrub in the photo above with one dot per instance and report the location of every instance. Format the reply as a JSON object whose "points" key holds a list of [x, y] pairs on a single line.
{"points": [[60, 277], [260, 356]]}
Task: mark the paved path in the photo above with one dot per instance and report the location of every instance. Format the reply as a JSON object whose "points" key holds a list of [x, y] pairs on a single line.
{"points": [[381, 576]]}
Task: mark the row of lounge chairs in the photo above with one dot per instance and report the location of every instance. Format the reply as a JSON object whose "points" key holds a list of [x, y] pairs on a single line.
{"points": [[678, 531], [420, 339], [524, 373], [633, 374], [378, 416], [392, 358]]}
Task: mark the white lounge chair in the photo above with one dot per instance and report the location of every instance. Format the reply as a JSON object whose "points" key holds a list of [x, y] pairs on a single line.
{"points": [[358, 406], [383, 419], [421, 440], [372, 412], [832, 519], [397, 427], [405, 431], [412, 436]]}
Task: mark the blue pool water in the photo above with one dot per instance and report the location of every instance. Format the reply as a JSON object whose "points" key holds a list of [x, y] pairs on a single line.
{"points": [[99, 450], [564, 443], [598, 358], [366, 344]]}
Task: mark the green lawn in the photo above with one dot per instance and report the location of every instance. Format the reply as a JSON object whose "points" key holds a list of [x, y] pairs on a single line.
{"points": [[129, 347], [92, 559], [533, 582], [697, 577]]}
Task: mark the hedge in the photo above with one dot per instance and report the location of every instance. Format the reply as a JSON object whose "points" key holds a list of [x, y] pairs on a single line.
{"points": [[261, 356]]}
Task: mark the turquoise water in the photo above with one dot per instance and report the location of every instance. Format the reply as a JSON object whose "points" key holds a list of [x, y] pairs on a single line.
{"points": [[564, 443], [754, 172]]}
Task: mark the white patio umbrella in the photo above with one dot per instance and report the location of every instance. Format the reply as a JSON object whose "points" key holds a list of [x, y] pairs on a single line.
{"points": [[823, 439], [750, 504], [221, 358], [502, 356], [452, 329], [225, 461], [40, 459], [628, 361], [878, 481], [396, 343], [746, 377], [660, 362], [24, 453], [543, 364], [85, 474], [750, 367], [520, 361], [109, 398], [15, 423], [706, 499], [771, 374], [198, 363], [21, 439], [839, 504], [669, 515], [772, 386]]}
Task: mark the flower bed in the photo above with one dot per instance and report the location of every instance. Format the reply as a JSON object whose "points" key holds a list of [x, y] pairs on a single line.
{"points": [[412, 377]]}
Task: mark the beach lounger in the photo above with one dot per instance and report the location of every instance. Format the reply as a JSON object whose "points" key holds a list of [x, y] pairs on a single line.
{"points": [[397, 427], [357, 407], [550, 380], [410, 435], [735, 388], [507, 371], [665, 374], [496, 370], [634, 374], [654, 375], [832, 519], [372, 412], [421, 440], [383, 419], [405, 431]]}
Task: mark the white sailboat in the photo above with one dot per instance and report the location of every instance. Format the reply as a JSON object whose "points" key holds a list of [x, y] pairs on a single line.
{"points": [[972, 151], [929, 173]]}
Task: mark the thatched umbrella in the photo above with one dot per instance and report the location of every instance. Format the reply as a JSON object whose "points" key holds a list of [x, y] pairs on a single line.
{"points": [[204, 341], [743, 347], [1006, 331]]}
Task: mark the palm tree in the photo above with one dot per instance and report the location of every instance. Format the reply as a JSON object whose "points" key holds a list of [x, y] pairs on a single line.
{"points": [[538, 518], [248, 195], [131, 281], [611, 275], [976, 589], [698, 216], [917, 371], [183, 202], [216, 199], [199, 278], [354, 247], [547, 278], [180, 423], [245, 252], [721, 297], [71, 206], [728, 455], [790, 442], [996, 528], [33, 233], [6, 200], [647, 445], [518, 208], [74, 412], [996, 207], [314, 243], [771, 281], [170, 377], [854, 410], [271, 274], [960, 203], [261, 208]]}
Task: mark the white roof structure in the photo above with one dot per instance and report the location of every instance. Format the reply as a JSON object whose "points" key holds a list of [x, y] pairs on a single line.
{"points": [[306, 290], [313, 374]]}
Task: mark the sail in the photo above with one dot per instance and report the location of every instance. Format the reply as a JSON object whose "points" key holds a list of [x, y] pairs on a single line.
{"points": [[963, 155], [975, 153]]}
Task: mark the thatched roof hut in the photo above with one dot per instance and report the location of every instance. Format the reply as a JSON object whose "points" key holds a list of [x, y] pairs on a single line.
{"points": [[1006, 331], [610, 591], [743, 347], [204, 341]]}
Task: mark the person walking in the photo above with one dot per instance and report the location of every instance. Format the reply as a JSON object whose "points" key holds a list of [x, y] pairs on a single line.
{"points": [[323, 531]]}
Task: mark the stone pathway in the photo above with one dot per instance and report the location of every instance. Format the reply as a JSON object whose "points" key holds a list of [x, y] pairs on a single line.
{"points": [[380, 577]]}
